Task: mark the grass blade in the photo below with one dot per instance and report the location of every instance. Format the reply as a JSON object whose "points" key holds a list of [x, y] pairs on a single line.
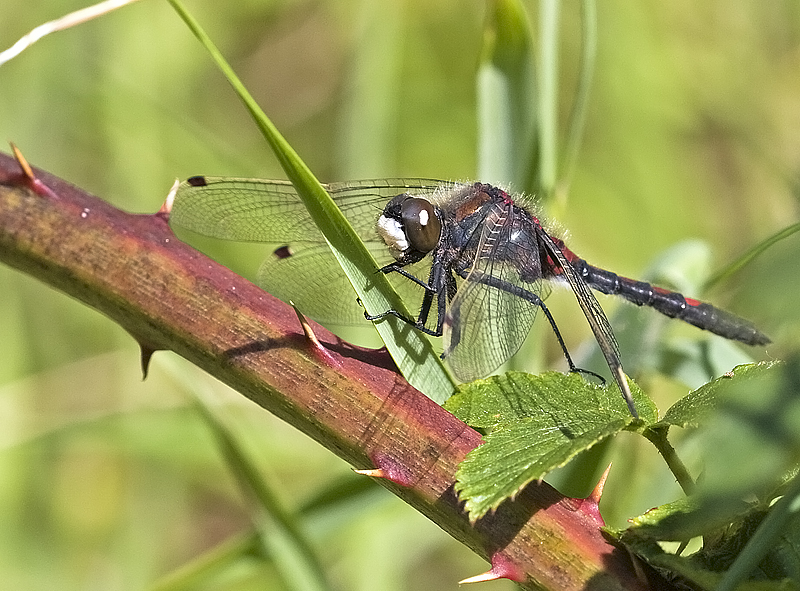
{"points": [[279, 532], [506, 98], [548, 97], [750, 255], [577, 117], [411, 351]]}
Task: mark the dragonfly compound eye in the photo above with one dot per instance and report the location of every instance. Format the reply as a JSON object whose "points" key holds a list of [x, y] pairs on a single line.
{"points": [[422, 226]]}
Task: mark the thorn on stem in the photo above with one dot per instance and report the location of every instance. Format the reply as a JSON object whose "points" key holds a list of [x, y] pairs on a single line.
{"points": [[389, 468], [374, 473], [502, 568], [590, 506], [146, 354], [313, 342], [33, 183], [598, 490], [166, 207]]}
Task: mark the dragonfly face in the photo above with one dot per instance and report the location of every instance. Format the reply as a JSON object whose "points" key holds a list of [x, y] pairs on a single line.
{"points": [[489, 256], [410, 227]]}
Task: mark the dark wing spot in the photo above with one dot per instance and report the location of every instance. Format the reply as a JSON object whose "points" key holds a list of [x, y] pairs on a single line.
{"points": [[284, 252], [197, 181]]}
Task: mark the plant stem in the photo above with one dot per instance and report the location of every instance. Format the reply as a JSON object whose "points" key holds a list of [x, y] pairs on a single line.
{"points": [[658, 437], [170, 297]]}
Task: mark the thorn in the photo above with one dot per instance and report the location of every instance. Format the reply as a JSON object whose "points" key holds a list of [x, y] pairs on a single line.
{"points": [[23, 163], [146, 353], [388, 468], [489, 575], [590, 506], [313, 341], [598, 490], [166, 207], [374, 473], [502, 568], [35, 184]]}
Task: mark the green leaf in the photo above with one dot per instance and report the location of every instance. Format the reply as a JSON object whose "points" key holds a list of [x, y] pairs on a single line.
{"points": [[411, 351], [751, 443], [741, 538], [701, 577], [540, 423], [693, 408], [687, 518], [753, 439], [777, 535]]}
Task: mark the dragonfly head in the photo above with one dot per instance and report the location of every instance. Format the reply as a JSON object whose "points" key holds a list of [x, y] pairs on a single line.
{"points": [[410, 228]]}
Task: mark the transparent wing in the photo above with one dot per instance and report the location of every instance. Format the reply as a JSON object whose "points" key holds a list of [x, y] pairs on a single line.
{"points": [[303, 270], [256, 210], [588, 303], [494, 308], [313, 280], [594, 315]]}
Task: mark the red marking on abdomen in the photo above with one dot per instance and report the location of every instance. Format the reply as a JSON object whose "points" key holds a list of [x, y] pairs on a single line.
{"points": [[568, 254]]}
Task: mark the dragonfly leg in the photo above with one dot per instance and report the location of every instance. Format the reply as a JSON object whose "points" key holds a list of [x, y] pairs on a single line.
{"points": [[395, 268], [415, 323], [427, 301], [572, 367], [535, 300]]}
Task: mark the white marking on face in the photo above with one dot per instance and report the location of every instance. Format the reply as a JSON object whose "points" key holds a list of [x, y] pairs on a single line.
{"points": [[392, 233]]}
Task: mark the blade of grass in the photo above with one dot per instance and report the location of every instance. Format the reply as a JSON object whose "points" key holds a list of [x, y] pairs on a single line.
{"points": [[278, 530], [548, 97], [577, 117], [506, 87], [60, 24], [372, 95], [199, 571], [750, 255], [506, 117], [411, 351]]}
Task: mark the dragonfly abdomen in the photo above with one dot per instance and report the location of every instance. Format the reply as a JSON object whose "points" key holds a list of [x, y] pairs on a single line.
{"points": [[672, 304]]}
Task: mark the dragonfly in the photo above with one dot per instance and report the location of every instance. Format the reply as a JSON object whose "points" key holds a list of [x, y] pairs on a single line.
{"points": [[476, 257]]}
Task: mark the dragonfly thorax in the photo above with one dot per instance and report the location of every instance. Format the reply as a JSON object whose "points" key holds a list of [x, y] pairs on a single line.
{"points": [[410, 227]]}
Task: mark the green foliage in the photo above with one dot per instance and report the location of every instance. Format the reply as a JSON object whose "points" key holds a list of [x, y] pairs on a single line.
{"points": [[748, 423], [538, 423]]}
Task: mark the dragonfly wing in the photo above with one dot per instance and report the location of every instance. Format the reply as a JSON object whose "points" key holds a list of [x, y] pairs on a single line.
{"points": [[303, 269], [308, 275], [594, 315], [490, 317], [256, 210]]}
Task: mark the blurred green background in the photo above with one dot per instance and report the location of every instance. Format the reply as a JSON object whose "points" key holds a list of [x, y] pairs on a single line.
{"points": [[692, 132]]}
